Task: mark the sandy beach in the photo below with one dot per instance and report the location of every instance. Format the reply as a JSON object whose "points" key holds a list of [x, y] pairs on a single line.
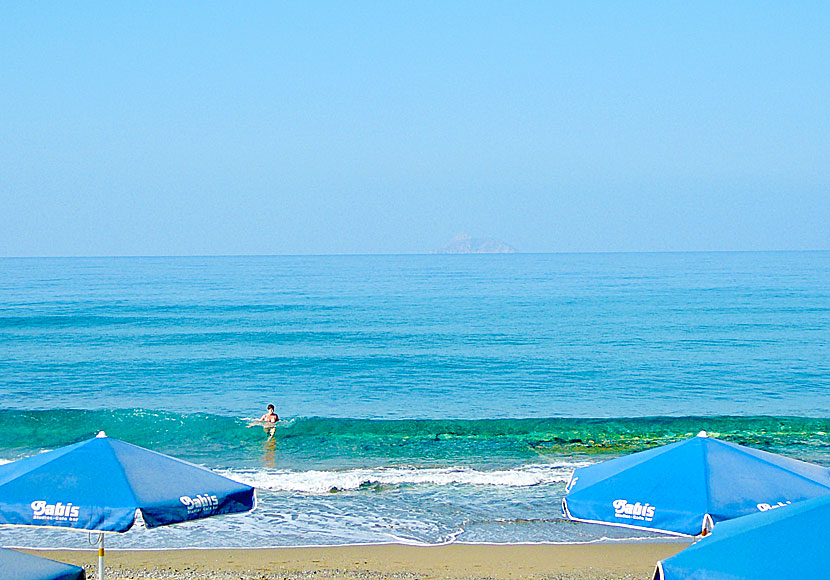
{"points": [[457, 561]]}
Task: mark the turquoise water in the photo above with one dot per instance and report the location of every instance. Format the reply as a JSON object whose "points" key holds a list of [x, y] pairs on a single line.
{"points": [[425, 399]]}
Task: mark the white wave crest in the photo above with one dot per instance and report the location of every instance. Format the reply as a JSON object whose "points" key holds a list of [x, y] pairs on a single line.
{"points": [[352, 479]]}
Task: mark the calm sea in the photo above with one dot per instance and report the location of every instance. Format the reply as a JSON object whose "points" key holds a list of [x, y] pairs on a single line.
{"points": [[425, 399]]}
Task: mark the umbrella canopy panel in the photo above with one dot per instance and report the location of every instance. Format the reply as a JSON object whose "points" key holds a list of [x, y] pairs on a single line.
{"points": [[780, 543], [99, 484], [20, 566], [684, 487]]}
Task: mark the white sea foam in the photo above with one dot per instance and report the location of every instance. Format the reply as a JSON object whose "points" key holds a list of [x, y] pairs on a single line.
{"points": [[314, 481]]}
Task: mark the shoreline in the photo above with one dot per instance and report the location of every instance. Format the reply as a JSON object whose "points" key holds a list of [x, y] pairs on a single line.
{"points": [[592, 561]]}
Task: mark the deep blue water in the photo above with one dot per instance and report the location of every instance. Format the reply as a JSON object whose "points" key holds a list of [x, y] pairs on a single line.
{"points": [[426, 398]]}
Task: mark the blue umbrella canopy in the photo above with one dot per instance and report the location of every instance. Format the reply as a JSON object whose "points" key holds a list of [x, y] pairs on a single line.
{"points": [[19, 566], [685, 488], [100, 484], [780, 543]]}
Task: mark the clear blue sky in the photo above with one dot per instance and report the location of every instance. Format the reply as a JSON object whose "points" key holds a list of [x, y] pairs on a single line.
{"points": [[178, 128]]}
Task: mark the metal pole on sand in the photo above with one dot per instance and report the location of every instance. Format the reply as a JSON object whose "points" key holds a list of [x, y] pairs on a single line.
{"points": [[101, 559], [99, 541]]}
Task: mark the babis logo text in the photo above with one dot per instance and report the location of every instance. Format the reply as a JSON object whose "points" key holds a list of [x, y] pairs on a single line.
{"points": [[633, 511], [54, 512], [765, 507], [202, 503]]}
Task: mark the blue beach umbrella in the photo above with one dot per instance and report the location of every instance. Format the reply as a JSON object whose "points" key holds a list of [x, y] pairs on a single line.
{"points": [[780, 543], [101, 484], [685, 488], [19, 566]]}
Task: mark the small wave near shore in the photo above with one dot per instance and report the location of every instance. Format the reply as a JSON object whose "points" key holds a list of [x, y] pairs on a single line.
{"points": [[319, 482]]}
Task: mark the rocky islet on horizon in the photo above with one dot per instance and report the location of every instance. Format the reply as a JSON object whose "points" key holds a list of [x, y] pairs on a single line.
{"points": [[464, 243]]}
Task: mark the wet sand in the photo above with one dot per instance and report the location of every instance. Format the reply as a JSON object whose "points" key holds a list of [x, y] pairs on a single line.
{"points": [[382, 562]]}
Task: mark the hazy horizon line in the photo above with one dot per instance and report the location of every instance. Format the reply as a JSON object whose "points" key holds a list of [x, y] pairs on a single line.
{"points": [[381, 254]]}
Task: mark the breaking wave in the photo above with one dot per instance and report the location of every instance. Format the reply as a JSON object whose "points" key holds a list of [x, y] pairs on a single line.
{"points": [[317, 482]]}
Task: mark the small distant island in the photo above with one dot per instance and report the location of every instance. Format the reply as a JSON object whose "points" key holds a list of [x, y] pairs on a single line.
{"points": [[466, 244]]}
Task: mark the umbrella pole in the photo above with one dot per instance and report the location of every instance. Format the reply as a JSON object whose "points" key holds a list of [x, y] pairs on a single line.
{"points": [[101, 558]]}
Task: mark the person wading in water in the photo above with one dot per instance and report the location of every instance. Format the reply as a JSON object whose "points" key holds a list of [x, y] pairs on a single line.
{"points": [[270, 417]]}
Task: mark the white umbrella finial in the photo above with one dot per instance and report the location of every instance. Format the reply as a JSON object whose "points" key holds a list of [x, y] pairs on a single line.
{"points": [[701, 434], [100, 435]]}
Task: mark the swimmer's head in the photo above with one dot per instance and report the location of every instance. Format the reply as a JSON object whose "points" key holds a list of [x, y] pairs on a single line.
{"points": [[270, 407]]}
